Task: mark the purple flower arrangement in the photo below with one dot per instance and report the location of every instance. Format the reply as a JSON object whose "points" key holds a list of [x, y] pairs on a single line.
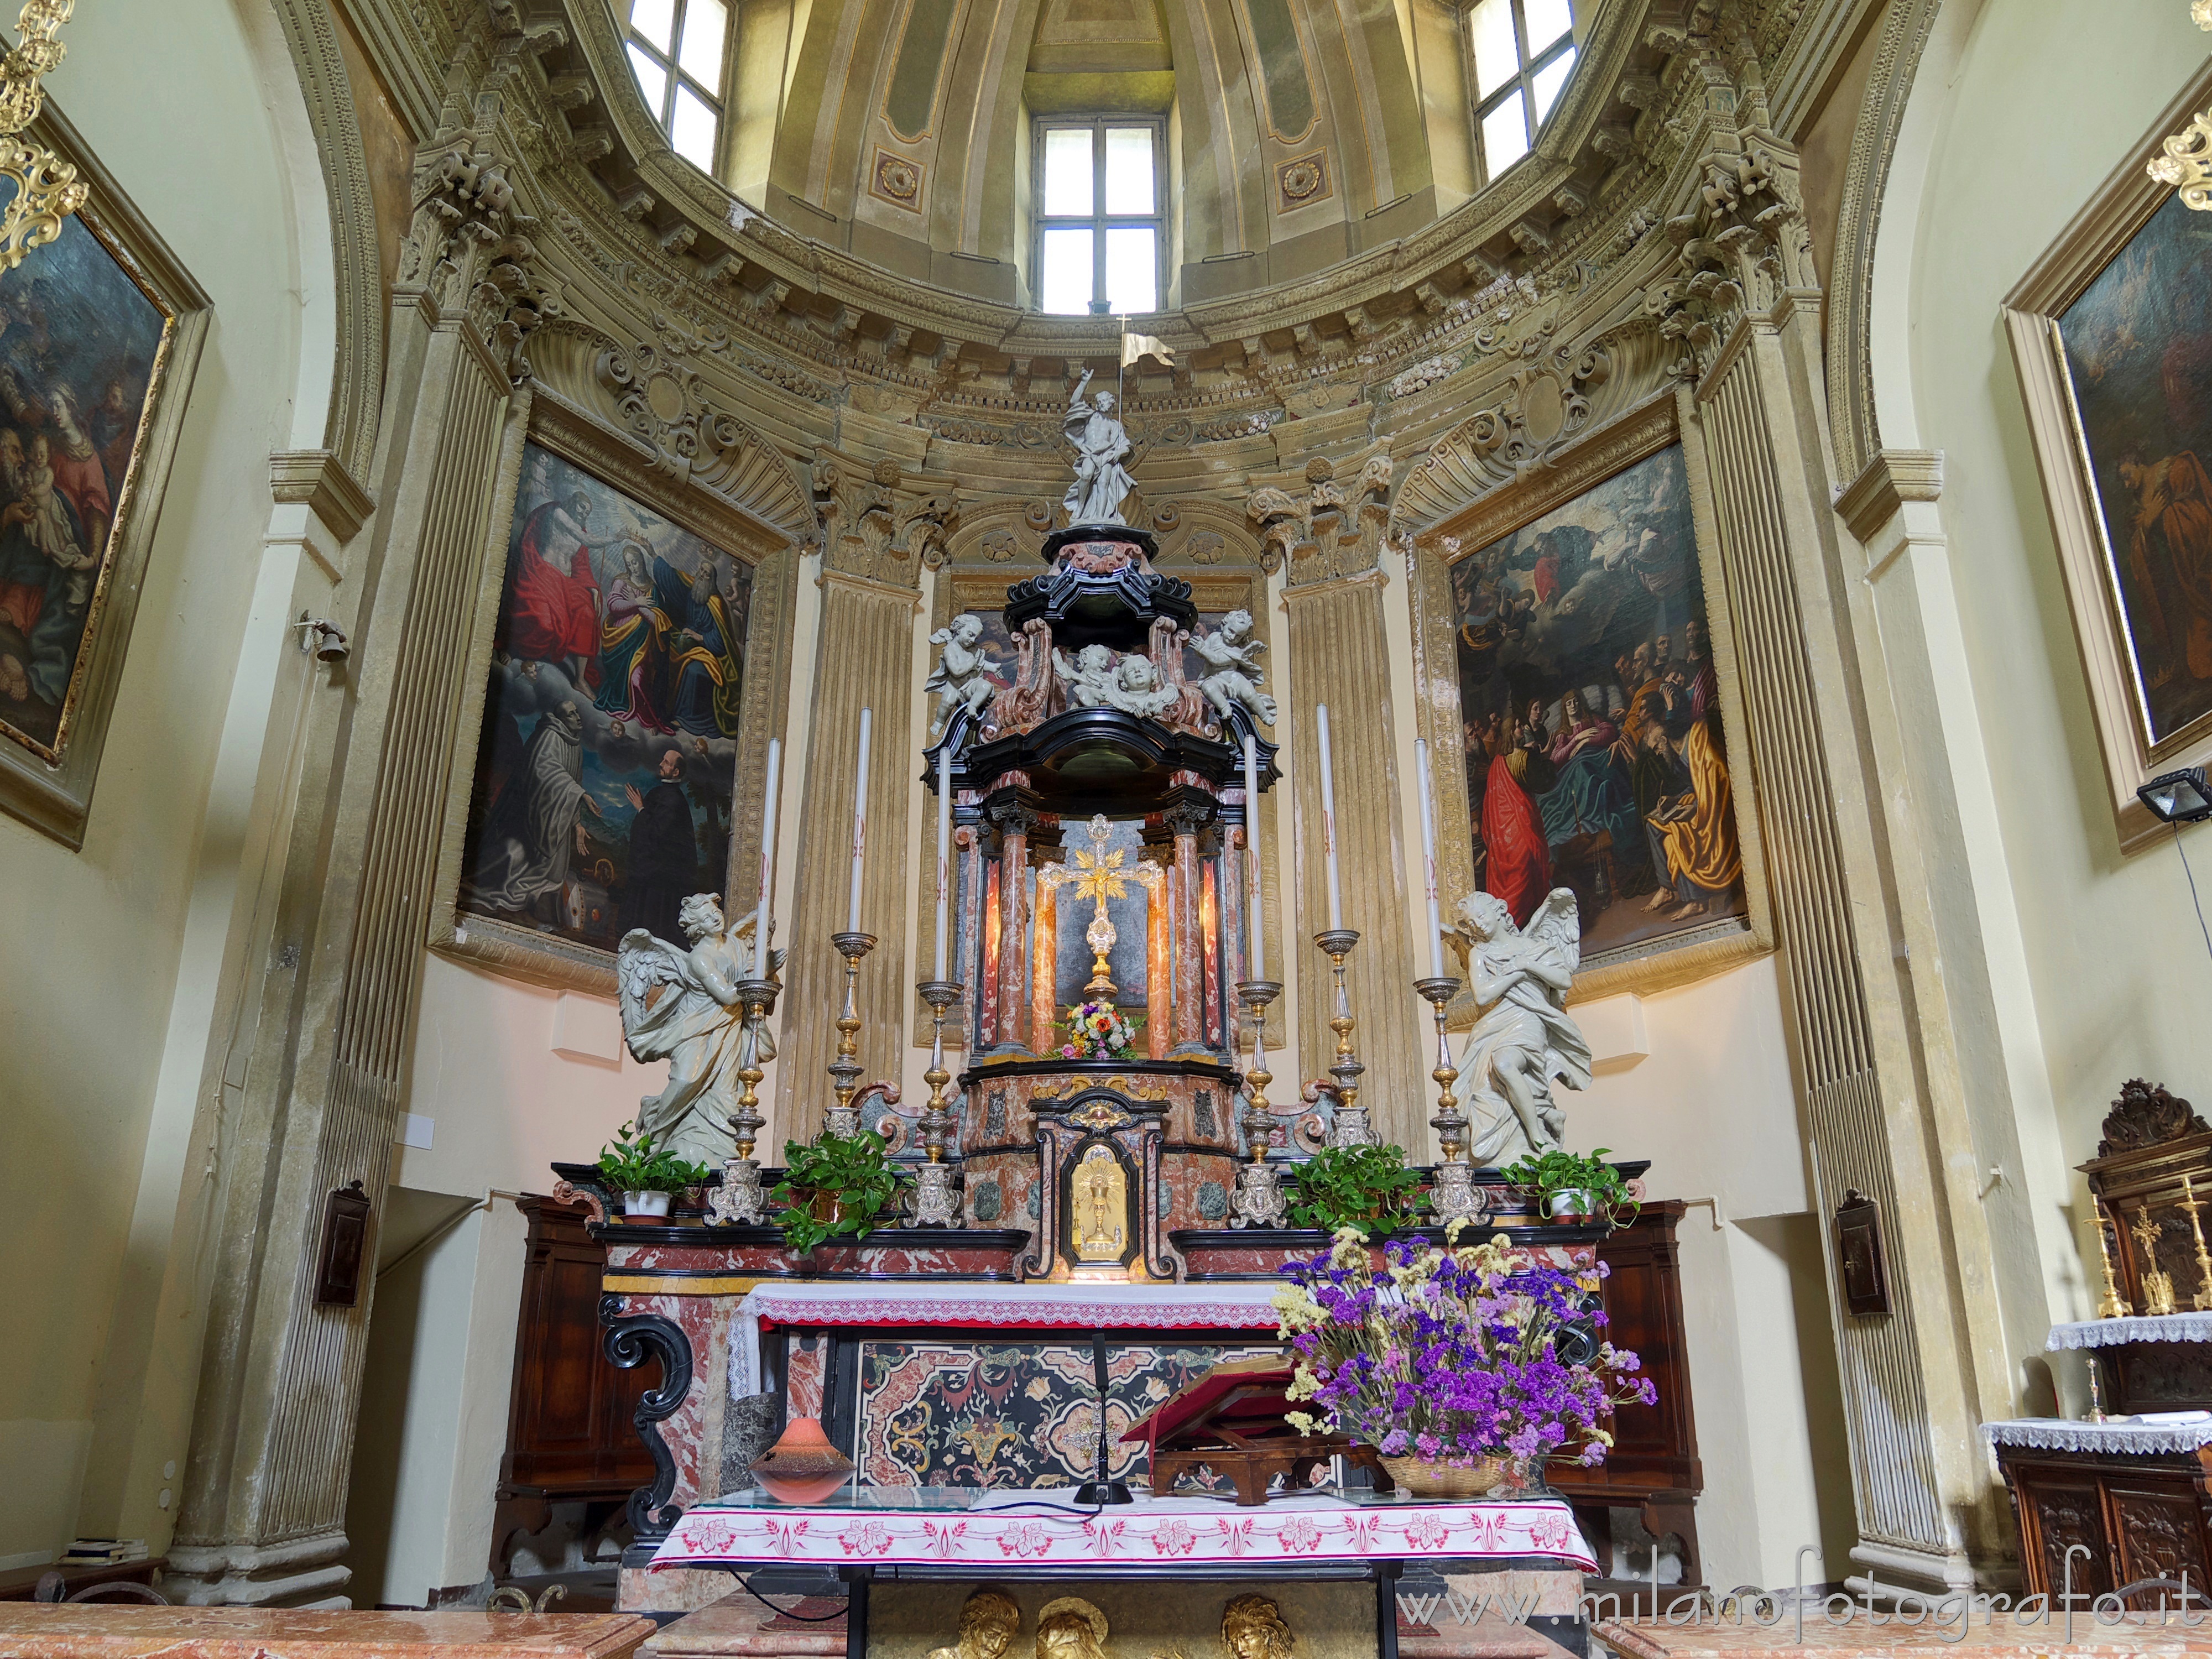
{"points": [[1449, 1355]]}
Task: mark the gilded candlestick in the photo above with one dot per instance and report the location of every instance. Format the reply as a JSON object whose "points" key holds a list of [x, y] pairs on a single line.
{"points": [[1258, 1199], [740, 1197], [842, 1119], [2113, 1305], [1453, 1195], [2203, 1300], [936, 1187], [1350, 1127], [2157, 1287]]}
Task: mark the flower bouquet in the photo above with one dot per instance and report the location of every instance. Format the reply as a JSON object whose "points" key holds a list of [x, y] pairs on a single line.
{"points": [[1448, 1363], [1096, 1031]]}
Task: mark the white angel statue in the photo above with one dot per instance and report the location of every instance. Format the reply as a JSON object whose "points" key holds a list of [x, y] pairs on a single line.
{"points": [[1102, 445], [1234, 655], [1524, 1039], [1089, 677], [963, 678], [682, 1006]]}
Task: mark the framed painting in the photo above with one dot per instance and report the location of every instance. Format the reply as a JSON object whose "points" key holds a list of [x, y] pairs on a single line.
{"points": [[631, 665], [1588, 715], [100, 332], [2112, 332]]}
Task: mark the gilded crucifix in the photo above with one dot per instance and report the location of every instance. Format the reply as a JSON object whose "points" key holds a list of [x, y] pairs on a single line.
{"points": [[1100, 877]]}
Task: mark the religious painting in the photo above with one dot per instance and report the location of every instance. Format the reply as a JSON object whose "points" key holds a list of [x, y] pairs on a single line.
{"points": [[604, 771], [2111, 333], [1596, 752], [99, 332]]}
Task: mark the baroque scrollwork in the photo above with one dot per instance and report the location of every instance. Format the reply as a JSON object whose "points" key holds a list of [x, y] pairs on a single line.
{"points": [[1743, 244], [1328, 531], [880, 522]]}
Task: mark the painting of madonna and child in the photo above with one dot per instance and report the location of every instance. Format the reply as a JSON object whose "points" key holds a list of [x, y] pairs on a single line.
{"points": [[604, 772], [2139, 355], [78, 346], [1597, 757]]}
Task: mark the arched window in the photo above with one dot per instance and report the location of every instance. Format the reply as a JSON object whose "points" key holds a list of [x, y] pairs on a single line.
{"points": [[1522, 51], [1101, 227], [675, 51]]}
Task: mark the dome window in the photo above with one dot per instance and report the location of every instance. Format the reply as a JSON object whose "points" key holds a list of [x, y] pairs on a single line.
{"points": [[1521, 52], [1100, 228], [676, 52]]}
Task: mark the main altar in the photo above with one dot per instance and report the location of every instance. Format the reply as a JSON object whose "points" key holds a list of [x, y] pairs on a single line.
{"points": [[1092, 1214]]}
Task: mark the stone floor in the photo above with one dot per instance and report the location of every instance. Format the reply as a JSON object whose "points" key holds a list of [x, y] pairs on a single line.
{"points": [[105, 1631], [1988, 1635]]}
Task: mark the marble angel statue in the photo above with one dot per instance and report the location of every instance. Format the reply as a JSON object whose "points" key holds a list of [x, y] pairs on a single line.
{"points": [[1101, 446], [1524, 1039], [681, 1005], [963, 678], [1087, 678], [1233, 656]]}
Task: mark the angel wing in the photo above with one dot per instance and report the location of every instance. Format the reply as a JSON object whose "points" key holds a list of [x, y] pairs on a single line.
{"points": [[1557, 927], [644, 968]]}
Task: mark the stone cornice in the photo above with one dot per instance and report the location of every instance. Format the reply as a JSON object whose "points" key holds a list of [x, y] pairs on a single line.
{"points": [[1892, 478]]}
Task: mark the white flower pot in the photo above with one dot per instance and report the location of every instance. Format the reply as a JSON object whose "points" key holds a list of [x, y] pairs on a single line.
{"points": [[646, 1203], [1576, 1201]]}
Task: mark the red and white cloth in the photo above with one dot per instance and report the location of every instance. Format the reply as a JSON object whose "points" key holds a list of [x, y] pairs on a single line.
{"points": [[1016, 1529], [967, 1305]]}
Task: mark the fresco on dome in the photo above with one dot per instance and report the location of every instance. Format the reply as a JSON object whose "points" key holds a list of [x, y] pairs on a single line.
{"points": [[2138, 344], [1597, 757], [604, 772]]}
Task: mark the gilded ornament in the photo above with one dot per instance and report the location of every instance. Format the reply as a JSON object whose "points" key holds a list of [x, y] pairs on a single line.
{"points": [[47, 189], [2186, 163], [989, 1623], [1253, 1627]]}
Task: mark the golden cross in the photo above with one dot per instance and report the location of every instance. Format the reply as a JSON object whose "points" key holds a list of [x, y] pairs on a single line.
{"points": [[2146, 1231], [1102, 877]]}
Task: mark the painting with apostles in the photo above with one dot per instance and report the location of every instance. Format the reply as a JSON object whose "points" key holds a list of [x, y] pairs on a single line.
{"points": [[1596, 754], [2139, 355], [78, 346], [604, 772]]}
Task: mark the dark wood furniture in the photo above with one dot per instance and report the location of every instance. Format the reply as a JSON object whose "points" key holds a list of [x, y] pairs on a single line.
{"points": [[2140, 1514], [570, 1433], [1653, 1467], [21, 1583], [1232, 1424]]}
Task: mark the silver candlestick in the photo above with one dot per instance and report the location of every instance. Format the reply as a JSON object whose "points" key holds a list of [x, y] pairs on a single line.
{"points": [[1453, 1195], [1349, 1126], [740, 1197], [1258, 1199], [843, 1119], [937, 1184]]}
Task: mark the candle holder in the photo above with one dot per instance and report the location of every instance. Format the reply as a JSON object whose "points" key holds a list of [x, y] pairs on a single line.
{"points": [[2113, 1305], [1258, 1201], [843, 1119], [2157, 1286], [1453, 1195], [937, 1184], [2202, 1302], [1349, 1126], [740, 1197]]}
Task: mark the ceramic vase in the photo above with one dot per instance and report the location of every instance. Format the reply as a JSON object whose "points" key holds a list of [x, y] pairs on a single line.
{"points": [[645, 1204], [802, 1468], [1575, 1204]]}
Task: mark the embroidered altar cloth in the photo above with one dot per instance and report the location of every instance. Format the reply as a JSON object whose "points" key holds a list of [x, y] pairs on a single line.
{"points": [[2178, 1434], [2143, 1327], [1026, 1530], [956, 1305]]}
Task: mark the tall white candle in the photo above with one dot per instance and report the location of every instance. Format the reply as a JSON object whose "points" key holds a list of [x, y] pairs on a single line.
{"points": [[1429, 858], [944, 847], [1328, 820], [763, 918], [1255, 947], [859, 821]]}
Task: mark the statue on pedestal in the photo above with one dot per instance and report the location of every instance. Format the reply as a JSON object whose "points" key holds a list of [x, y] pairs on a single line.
{"points": [[1102, 445], [962, 678], [1524, 1039], [681, 1005], [1234, 655]]}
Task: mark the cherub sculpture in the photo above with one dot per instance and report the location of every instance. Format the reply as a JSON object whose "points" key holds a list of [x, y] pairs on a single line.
{"points": [[963, 678], [1089, 678], [1137, 689], [682, 1006], [1524, 1039], [988, 1621], [1234, 655]]}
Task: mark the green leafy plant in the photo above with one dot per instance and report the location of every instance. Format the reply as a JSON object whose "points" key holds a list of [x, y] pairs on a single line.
{"points": [[640, 1164], [1562, 1171], [1362, 1187], [834, 1188]]}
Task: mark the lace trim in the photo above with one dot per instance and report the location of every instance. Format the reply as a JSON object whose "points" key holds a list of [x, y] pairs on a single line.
{"points": [[2111, 1333], [2058, 1434]]}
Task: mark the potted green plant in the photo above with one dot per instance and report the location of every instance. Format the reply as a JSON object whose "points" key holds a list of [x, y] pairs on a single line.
{"points": [[833, 1187], [1569, 1186], [1366, 1188], [647, 1174]]}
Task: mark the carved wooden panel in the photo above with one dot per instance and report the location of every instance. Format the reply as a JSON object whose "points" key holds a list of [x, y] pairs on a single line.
{"points": [[2059, 1511], [2159, 1526]]}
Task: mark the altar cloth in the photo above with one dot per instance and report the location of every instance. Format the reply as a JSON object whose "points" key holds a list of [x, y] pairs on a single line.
{"points": [[2132, 1328], [967, 1305], [1029, 1531], [2069, 1434]]}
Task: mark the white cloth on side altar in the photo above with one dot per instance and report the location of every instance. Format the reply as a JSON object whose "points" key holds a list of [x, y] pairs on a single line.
{"points": [[2066, 1434], [1175, 1532], [966, 1305], [2135, 1328]]}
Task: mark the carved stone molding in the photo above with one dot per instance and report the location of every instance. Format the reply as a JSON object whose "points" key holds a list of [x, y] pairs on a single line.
{"points": [[879, 521], [1739, 250], [1892, 478], [1328, 529]]}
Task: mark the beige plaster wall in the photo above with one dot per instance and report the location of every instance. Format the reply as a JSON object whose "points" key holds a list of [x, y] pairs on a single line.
{"points": [[2022, 113], [104, 1028]]}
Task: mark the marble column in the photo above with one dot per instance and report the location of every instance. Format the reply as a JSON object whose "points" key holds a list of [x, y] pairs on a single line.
{"points": [[1188, 971], [1044, 994], [1015, 822]]}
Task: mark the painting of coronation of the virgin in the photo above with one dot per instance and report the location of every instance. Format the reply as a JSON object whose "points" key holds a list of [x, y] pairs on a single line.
{"points": [[2138, 345], [79, 343], [1596, 754], [605, 768]]}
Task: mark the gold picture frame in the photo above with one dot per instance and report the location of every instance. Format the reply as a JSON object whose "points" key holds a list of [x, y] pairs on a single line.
{"points": [[549, 421], [1631, 438], [2069, 458], [47, 779]]}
